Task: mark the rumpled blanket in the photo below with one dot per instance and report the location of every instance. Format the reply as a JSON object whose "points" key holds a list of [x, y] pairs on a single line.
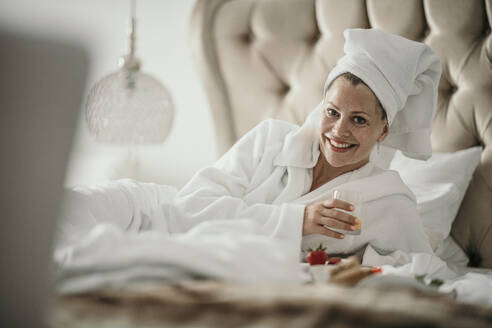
{"points": [[130, 243], [117, 237]]}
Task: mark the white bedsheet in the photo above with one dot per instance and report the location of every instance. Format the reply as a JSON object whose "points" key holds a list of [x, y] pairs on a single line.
{"points": [[97, 249], [109, 256], [469, 285]]}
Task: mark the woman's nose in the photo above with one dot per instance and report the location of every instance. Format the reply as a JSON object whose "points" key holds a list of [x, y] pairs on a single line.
{"points": [[342, 128]]}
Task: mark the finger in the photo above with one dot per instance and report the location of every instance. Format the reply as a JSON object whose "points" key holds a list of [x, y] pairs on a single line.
{"points": [[338, 203], [333, 223], [351, 277], [327, 232], [341, 216], [350, 263]]}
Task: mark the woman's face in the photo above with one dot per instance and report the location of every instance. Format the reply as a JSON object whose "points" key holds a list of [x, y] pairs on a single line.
{"points": [[350, 125]]}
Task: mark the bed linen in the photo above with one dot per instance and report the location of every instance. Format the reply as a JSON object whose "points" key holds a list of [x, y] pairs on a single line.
{"points": [[116, 253], [439, 184]]}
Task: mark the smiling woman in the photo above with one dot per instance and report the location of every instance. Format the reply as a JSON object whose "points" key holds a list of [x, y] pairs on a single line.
{"points": [[364, 94]]}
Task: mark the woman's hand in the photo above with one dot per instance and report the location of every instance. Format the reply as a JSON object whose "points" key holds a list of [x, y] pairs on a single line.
{"points": [[350, 272], [320, 216]]}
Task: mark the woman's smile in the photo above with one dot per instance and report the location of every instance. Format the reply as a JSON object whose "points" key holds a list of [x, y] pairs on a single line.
{"points": [[339, 145]]}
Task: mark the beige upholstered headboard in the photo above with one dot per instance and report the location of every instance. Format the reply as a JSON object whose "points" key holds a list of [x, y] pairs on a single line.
{"points": [[270, 58]]}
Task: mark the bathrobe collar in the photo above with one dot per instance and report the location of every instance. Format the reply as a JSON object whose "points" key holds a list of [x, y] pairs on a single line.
{"points": [[301, 146]]}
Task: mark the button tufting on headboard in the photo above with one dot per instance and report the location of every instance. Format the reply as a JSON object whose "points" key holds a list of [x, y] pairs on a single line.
{"points": [[280, 51], [284, 89], [315, 38], [247, 37], [486, 31], [425, 34]]}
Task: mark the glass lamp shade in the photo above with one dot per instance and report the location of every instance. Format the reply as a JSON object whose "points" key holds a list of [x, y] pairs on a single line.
{"points": [[129, 107]]}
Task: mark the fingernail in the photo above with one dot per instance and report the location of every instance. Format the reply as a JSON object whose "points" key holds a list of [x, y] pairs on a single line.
{"points": [[352, 228], [342, 236], [352, 207], [357, 221], [376, 269]]}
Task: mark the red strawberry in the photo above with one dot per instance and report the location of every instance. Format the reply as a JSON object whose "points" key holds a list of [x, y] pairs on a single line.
{"points": [[318, 256], [334, 260]]}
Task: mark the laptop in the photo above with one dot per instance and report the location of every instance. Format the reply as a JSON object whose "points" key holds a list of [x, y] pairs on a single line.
{"points": [[42, 84]]}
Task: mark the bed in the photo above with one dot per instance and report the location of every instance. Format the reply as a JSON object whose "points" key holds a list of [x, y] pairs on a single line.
{"points": [[263, 59]]}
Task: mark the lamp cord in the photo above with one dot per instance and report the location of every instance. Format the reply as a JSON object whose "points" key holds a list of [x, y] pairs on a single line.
{"points": [[133, 26]]}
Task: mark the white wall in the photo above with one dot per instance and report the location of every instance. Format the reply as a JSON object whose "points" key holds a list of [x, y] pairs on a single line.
{"points": [[163, 47]]}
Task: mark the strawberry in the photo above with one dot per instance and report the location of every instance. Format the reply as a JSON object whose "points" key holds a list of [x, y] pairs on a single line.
{"points": [[317, 256], [334, 260]]}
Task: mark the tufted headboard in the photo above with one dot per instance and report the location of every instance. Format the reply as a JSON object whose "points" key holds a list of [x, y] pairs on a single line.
{"points": [[270, 58]]}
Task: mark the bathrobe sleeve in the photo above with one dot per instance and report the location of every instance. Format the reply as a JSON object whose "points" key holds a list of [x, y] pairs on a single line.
{"points": [[405, 249], [216, 192], [128, 204], [401, 232]]}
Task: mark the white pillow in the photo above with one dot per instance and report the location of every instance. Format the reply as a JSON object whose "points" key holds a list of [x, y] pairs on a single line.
{"points": [[451, 253], [439, 185]]}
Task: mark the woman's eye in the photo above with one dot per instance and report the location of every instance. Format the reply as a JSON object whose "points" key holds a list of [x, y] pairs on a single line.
{"points": [[331, 112], [359, 120]]}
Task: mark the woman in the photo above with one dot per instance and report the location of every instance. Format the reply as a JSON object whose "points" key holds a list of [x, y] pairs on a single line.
{"points": [[280, 176], [352, 122], [383, 91]]}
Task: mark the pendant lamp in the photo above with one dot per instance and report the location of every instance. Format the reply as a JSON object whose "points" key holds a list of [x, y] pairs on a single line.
{"points": [[128, 106]]}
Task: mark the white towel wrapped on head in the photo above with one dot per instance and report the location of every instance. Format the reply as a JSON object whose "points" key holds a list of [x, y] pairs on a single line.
{"points": [[404, 76]]}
